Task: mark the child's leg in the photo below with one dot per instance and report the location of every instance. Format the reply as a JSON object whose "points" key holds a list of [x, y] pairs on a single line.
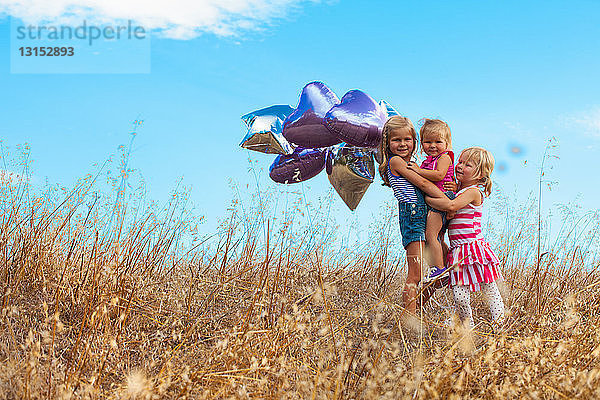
{"points": [[432, 230], [444, 252], [462, 299], [494, 301], [414, 252], [426, 293]]}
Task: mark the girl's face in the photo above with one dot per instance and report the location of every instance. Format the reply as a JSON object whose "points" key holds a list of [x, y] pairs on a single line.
{"points": [[401, 143], [433, 144], [465, 170]]}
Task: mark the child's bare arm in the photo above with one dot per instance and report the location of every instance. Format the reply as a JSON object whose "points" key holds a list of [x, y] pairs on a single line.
{"points": [[436, 174], [399, 167], [445, 204]]}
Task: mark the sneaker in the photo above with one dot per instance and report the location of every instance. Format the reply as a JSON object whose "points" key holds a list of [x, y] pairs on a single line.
{"points": [[445, 281], [441, 283], [435, 273]]}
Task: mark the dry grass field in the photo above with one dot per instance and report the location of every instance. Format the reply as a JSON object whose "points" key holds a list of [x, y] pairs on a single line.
{"points": [[106, 298]]}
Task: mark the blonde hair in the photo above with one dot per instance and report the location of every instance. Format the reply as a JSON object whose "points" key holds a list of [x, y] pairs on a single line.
{"points": [[438, 128], [483, 163], [393, 123]]}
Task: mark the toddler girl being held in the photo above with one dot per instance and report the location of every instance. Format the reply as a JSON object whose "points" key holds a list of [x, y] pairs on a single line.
{"points": [[436, 142]]}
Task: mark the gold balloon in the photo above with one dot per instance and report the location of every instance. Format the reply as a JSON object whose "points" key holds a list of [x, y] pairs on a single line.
{"points": [[350, 171]]}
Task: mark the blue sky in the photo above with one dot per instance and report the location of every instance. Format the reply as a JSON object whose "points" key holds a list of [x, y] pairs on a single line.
{"points": [[501, 74]]}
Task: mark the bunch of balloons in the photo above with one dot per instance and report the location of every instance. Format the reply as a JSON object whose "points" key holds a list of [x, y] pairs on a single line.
{"points": [[322, 132]]}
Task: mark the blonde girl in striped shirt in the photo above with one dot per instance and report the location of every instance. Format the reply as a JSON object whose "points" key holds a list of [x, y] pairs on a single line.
{"points": [[397, 147], [477, 265]]}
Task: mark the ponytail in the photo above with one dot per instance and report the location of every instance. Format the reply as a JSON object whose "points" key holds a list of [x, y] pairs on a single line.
{"points": [[484, 165], [486, 184]]}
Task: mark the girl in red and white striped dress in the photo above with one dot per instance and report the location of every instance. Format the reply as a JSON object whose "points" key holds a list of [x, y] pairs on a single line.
{"points": [[477, 265]]}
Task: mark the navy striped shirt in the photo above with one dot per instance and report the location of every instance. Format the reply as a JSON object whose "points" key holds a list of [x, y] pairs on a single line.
{"points": [[404, 191]]}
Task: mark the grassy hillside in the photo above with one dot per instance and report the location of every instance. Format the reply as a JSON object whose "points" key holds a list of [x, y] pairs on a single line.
{"points": [[107, 297]]}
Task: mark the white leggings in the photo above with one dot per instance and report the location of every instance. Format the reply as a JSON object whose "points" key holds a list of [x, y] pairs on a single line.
{"points": [[462, 299]]}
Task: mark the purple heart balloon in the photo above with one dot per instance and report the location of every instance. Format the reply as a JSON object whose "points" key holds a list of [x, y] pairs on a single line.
{"points": [[304, 126], [299, 166], [358, 120]]}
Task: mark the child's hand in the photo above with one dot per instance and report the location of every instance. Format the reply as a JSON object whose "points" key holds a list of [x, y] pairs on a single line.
{"points": [[451, 186], [450, 214], [413, 167]]}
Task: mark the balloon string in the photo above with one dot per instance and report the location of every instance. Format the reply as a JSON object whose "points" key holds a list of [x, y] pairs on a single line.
{"points": [[260, 202], [329, 198], [308, 214]]}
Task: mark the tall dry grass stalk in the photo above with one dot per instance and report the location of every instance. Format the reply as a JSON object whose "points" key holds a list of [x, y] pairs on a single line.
{"points": [[125, 301]]}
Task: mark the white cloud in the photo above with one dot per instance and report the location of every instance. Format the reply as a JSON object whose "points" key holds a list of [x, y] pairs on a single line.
{"points": [[588, 121], [176, 19]]}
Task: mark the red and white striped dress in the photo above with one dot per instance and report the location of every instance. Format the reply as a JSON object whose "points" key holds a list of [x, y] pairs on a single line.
{"points": [[476, 261]]}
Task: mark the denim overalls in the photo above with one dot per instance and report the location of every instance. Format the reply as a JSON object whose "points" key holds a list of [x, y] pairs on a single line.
{"points": [[412, 214]]}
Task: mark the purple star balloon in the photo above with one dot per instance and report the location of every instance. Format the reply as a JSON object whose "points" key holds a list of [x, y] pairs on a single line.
{"points": [[304, 126], [299, 166], [357, 120]]}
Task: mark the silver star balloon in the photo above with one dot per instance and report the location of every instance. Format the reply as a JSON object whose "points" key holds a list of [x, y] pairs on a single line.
{"points": [[350, 171], [265, 128], [390, 112], [388, 109]]}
